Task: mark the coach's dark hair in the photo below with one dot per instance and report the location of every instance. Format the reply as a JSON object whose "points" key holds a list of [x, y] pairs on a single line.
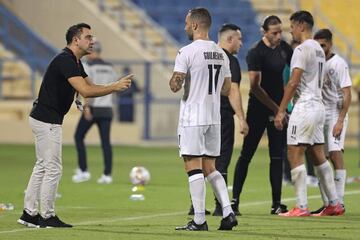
{"points": [[303, 17], [201, 16], [75, 30], [323, 34], [228, 26], [270, 20]]}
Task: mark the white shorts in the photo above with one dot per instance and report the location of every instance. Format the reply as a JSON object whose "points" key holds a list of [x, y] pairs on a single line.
{"points": [[332, 143], [306, 124], [200, 141]]}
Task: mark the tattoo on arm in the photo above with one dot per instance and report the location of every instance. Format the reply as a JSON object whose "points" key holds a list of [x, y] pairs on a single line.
{"points": [[176, 81]]}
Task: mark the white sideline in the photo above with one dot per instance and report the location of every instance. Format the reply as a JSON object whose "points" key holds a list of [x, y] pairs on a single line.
{"points": [[167, 214]]}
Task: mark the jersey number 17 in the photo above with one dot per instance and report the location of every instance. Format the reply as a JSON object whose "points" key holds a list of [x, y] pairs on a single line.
{"points": [[213, 80]]}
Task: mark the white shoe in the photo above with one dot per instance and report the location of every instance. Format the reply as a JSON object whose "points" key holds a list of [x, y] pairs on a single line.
{"points": [[105, 179], [81, 176]]}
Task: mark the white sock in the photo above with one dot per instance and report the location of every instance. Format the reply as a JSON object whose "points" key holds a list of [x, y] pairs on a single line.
{"points": [[340, 176], [326, 178], [323, 194], [219, 187], [198, 192], [298, 176]]}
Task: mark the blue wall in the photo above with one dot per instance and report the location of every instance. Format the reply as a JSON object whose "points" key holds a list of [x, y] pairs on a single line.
{"points": [[171, 15], [20, 39]]}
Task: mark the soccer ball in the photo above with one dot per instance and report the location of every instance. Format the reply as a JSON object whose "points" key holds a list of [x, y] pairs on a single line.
{"points": [[139, 176]]}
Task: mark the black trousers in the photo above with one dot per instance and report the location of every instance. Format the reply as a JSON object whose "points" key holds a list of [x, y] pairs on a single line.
{"points": [[227, 143], [126, 112], [104, 124], [258, 119]]}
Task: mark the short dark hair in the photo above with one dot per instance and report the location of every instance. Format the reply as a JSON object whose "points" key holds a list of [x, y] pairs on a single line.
{"points": [[323, 34], [75, 30], [201, 16], [303, 17], [228, 26], [270, 20]]}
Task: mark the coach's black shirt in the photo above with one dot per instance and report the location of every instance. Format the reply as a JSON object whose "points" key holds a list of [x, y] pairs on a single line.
{"points": [[270, 62], [235, 77], [56, 93]]}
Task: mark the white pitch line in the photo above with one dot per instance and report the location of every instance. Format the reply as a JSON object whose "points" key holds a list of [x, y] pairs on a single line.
{"points": [[129, 218], [168, 214], [20, 230]]}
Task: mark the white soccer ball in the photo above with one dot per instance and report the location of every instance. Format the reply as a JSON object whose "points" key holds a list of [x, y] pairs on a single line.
{"points": [[139, 176]]}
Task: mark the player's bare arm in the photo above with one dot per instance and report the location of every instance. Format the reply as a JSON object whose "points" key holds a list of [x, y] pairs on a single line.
{"points": [[288, 95], [344, 110], [225, 89], [88, 81], [87, 113], [236, 104], [91, 90], [177, 81], [259, 92]]}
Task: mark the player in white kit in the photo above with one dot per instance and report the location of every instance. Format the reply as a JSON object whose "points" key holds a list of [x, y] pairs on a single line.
{"points": [[336, 97], [202, 67], [306, 123]]}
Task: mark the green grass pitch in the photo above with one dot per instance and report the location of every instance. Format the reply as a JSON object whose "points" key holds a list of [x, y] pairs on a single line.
{"points": [[106, 212]]}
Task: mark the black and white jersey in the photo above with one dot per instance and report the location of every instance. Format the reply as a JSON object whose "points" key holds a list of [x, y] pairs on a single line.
{"points": [[206, 66], [336, 77], [310, 57]]}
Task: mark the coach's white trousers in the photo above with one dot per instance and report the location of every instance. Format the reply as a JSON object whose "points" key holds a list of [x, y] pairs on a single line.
{"points": [[47, 171]]}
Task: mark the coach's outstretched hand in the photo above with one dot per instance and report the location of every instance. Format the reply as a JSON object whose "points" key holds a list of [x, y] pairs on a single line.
{"points": [[123, 83]]}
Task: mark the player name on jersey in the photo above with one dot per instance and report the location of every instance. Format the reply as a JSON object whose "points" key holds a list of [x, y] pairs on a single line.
{"points": [[213, 55]]}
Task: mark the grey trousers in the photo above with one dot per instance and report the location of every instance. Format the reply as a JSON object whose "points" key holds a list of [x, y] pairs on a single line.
{"points": [[46, 174]]}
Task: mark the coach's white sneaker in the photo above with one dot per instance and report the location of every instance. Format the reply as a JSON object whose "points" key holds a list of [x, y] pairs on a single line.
{"points": [[81, 176], [104, 179]]}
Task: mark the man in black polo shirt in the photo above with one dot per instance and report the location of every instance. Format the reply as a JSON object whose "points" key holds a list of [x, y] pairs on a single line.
{"points": [[230, 40], [266, 61], [64, 76]]}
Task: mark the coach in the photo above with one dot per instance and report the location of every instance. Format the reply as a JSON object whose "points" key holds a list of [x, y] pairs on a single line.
{"points": [[266, 61], [64, 76]]}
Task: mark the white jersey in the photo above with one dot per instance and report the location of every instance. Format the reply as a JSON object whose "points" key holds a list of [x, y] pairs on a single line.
{"points": [[336, 77], [206, 65], [310, 57], [101, 73]]}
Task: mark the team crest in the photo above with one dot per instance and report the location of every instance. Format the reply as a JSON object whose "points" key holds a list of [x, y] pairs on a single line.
{"points": [[327, 81]]}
